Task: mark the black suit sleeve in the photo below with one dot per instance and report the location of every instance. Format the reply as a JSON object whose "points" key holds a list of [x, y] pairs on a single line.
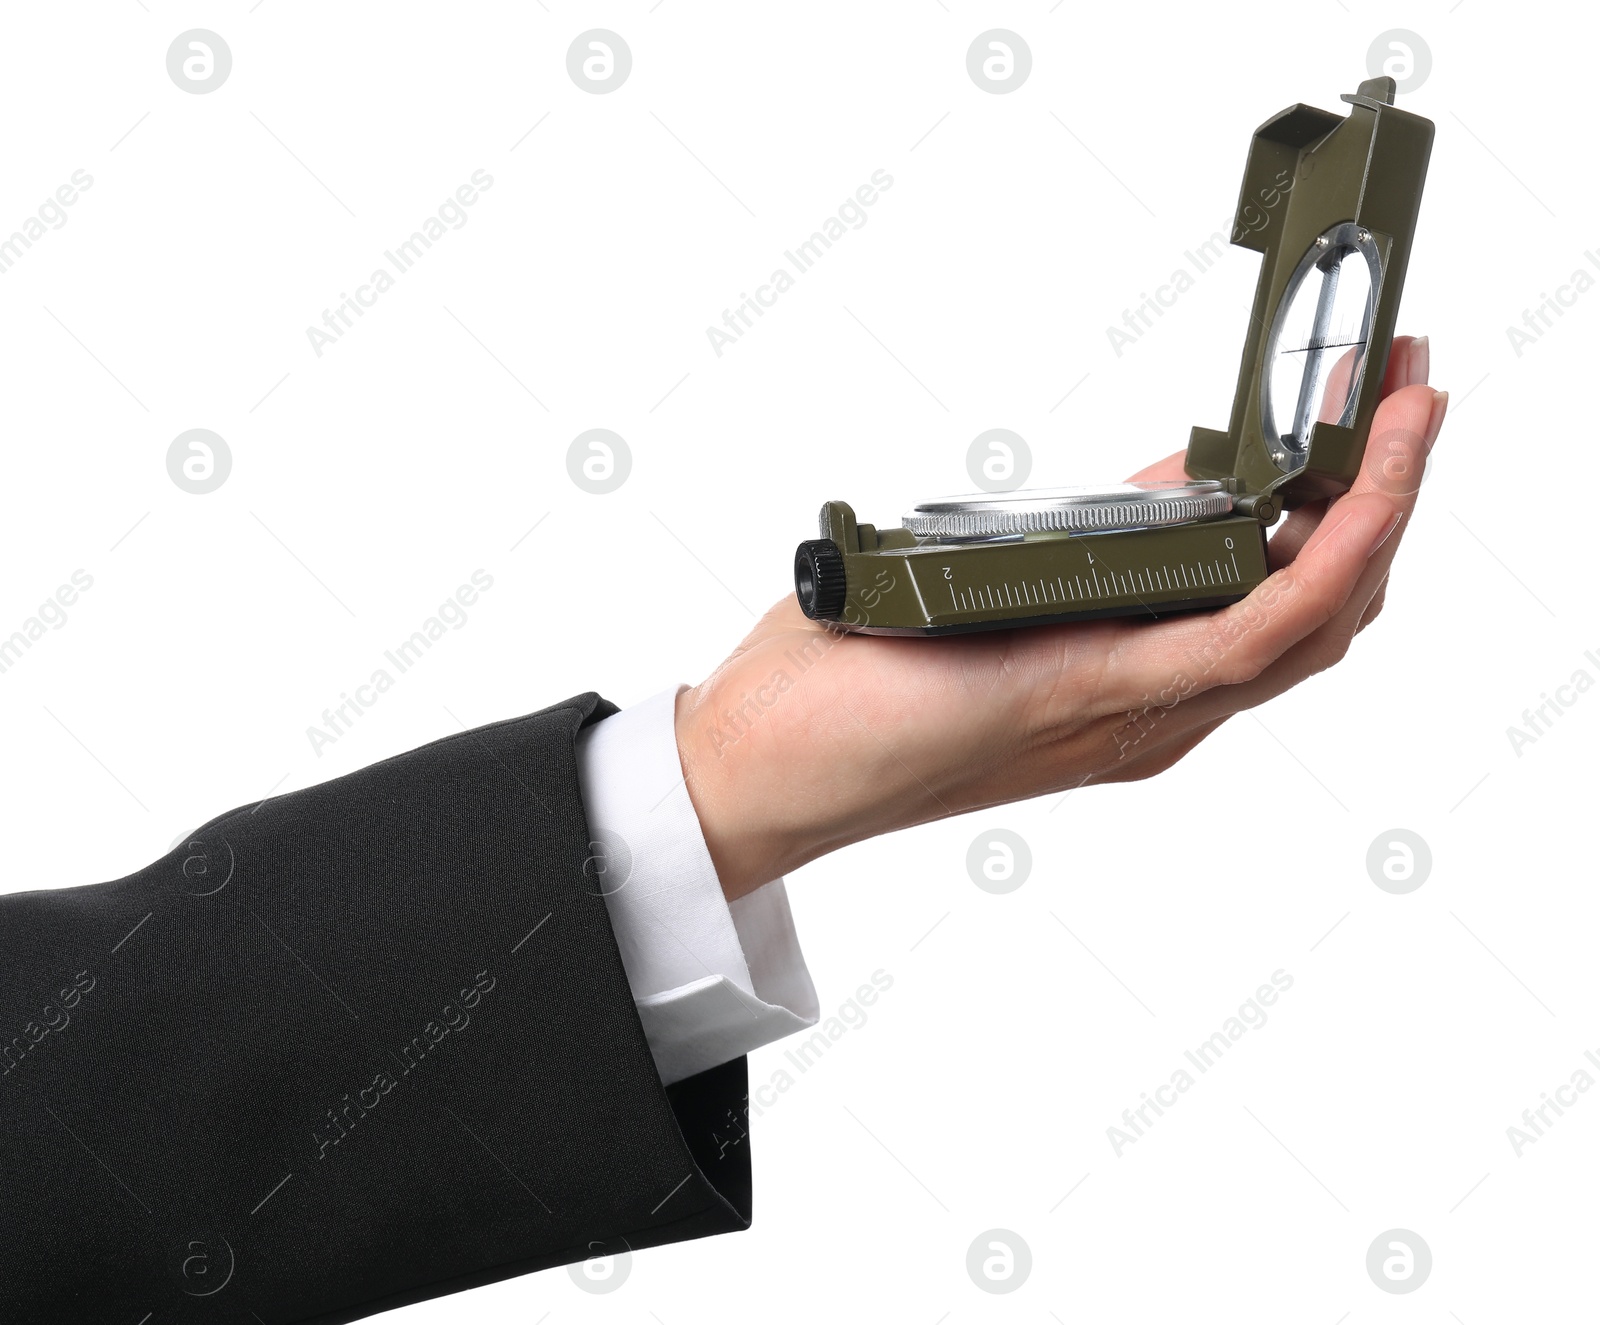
{"points": [[344, 1050]]}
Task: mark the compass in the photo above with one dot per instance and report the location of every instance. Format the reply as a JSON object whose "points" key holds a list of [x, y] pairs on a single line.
{"points": [[1330, 203]]}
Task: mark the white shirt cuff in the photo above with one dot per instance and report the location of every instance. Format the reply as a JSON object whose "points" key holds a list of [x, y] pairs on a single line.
{"points": [[711, 980]]}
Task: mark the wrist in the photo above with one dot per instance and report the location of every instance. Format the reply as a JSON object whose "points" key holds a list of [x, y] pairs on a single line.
{"points": [[750, 826]]}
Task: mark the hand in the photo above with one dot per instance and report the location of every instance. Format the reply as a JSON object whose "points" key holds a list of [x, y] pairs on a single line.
{"points": [[807, 739]]}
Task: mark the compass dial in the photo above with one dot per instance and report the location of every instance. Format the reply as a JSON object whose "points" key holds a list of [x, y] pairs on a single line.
{"points": [[1070, 510]]}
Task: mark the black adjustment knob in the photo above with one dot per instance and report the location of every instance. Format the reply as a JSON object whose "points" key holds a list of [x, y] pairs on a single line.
{"points": [[819, 579]]}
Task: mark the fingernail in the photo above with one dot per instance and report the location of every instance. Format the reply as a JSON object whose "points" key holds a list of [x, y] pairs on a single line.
{"points": [[1417, 366], [1384, 536], [1441, 400]]}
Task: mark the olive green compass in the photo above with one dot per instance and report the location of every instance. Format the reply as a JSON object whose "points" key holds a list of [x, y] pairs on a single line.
{"points": [[1330, 203]]}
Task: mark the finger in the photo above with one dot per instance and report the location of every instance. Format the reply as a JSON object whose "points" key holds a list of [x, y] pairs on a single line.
{"points": [[1336, 391], [1403, 432], [1405, 429], [1169, 470], [1185, 656], [1409, 362], [1406, 436], [1286, 542], [1408, 366], [1315, 653], [1374, 606], [1182, 726]]}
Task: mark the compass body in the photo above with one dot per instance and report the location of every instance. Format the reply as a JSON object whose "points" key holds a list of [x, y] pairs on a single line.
{"points": [[1330, 204]]}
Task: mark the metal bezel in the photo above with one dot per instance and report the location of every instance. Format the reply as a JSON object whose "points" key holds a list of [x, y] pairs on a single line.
{"points": [[1115, 506]]}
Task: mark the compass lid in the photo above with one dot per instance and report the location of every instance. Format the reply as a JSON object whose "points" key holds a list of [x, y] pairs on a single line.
{"points": [[1331, 205]]}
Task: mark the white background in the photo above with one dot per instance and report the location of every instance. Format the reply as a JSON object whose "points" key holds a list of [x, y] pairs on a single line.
{"points": [[369, 482]]}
